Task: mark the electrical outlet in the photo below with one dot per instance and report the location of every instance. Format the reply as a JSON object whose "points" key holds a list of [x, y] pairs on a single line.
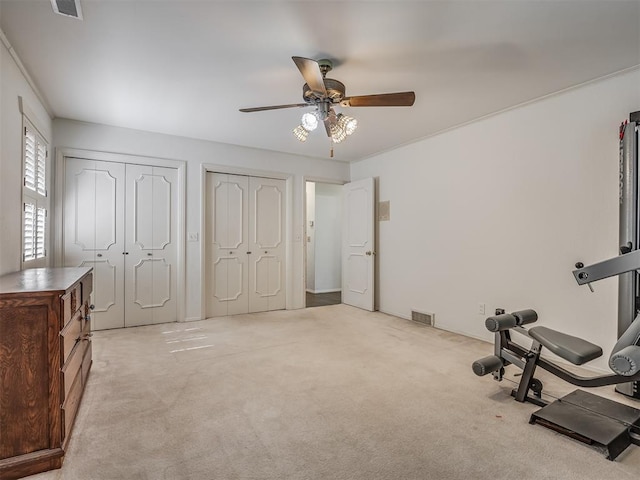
{"points": [[481, 308]]}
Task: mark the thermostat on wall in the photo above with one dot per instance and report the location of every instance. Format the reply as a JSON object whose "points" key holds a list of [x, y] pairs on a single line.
{"points": [[383, 211]]}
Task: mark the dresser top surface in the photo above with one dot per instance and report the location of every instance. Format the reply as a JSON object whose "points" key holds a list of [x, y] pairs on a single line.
{"points": [[41, 279]]}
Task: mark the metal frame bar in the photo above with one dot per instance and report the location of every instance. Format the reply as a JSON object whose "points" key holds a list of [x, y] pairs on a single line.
{"points": [[627, 262], [532, 359]]}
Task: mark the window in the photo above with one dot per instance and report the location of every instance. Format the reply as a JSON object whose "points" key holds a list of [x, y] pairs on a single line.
{"points": [[35, 198]]}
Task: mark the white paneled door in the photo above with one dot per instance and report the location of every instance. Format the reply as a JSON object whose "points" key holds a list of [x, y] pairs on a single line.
{"points": [[120, 219], [358, 247], [246, 248]]}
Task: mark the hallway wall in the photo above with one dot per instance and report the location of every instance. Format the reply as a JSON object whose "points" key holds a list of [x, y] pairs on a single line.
{"points": [[328, 237], [324, 237]]}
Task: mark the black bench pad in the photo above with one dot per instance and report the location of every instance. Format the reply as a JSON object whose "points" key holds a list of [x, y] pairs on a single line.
{"points": [[572, 349]]}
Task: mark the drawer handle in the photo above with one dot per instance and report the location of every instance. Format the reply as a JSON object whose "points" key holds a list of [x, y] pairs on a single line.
{"points": [[92, 306], [87, 318]]}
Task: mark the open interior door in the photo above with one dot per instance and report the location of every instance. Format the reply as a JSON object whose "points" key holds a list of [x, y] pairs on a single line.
{"points": [[358, 248]]}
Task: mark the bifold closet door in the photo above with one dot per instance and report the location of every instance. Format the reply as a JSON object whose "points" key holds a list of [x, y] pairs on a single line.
{"points": [[266, 243], [246, 250], [228, 250], [94, 234], [150, 251], [120, 219]]}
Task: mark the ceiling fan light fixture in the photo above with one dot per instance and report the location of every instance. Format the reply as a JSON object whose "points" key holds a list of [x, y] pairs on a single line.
{"points": [[349, 124], [322, 93], [309, 121], [300, 133], [338, 133]]}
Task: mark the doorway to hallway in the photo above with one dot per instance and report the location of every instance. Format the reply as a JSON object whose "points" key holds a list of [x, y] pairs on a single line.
{"points": [[322, 299], [323, 244]]}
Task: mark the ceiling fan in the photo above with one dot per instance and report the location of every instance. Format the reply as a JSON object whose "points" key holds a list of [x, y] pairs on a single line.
{"points": [[323, 93]]}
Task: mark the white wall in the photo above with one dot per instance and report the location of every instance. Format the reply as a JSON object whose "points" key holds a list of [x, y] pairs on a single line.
{"points": [[499, 211], [328, 237], [72, 134], [13, 84], [311, 237]]}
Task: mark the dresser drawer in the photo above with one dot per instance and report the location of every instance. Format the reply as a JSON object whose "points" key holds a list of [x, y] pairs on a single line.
{"points": [[72, 368], [76, 297], [69, 336], [87, 288], [86, 363], [67, 311], [70, 406]]}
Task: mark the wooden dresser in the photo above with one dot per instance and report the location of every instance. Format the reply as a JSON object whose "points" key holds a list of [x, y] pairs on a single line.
{"points": [[45, 357]]}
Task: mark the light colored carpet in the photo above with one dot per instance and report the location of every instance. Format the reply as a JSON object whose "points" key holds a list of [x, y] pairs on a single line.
{"points": [[323, 393]]}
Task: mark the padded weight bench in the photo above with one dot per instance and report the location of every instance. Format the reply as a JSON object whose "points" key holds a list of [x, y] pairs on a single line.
{"points": [[581, 415]]}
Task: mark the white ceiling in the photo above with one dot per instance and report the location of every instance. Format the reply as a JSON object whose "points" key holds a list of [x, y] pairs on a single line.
{"points": [[185, 67]]}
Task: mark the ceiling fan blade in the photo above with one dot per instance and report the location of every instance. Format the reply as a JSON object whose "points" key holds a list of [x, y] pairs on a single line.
{"points": [[311, 73], [274, 107], [400, 99]]}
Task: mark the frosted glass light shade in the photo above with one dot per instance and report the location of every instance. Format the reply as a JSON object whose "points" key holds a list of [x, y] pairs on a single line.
{"points": [[338, 133], [300, 133], [309, 121], [349, 124]]}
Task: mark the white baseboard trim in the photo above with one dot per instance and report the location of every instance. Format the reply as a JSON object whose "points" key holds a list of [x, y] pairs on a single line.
{"points": [[328, 290]]}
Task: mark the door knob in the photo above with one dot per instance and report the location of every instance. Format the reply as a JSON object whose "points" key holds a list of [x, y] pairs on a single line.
{"points": [[99, 255], [368, 253], [149, 254]]}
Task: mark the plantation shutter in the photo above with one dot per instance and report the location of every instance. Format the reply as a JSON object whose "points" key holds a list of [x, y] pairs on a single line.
{"points": [[34, 224], [34, 195], [35, 161], [29, 160], [29, 232]]}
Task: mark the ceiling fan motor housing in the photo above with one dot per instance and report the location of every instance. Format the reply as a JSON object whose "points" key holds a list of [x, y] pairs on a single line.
{"points": [[335, 92]]}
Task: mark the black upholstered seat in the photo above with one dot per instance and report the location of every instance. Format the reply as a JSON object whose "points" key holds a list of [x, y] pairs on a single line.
{"points": [[572, 349]]}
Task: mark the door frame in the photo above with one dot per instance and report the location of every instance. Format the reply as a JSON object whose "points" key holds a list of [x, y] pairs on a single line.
{"points": [[58, 208], [289, 228]]}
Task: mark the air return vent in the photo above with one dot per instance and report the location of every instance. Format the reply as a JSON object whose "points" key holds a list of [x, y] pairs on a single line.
{"points": [[423, 317], [68, 8]]}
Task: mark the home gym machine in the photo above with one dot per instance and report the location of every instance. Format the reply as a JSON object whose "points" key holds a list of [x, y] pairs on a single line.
{"points": [[625, 265], [582, 415]]}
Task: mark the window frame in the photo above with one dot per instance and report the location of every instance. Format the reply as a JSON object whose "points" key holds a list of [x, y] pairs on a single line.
{"points": [[37, 253]]}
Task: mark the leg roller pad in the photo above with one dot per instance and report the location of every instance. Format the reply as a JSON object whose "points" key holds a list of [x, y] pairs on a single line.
{"points": [[501, 322], [487, 365]]}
